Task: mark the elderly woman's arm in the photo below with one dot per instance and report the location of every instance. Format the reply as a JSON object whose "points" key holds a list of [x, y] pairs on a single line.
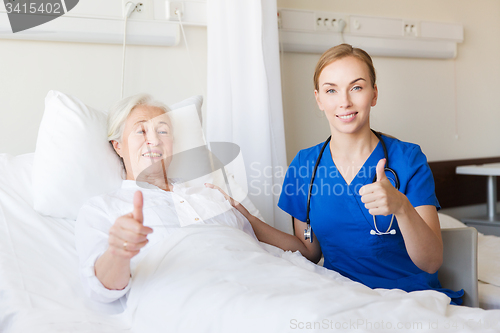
{"points": [[104, 263], [113, 271], [126, 238], [267, 234]]}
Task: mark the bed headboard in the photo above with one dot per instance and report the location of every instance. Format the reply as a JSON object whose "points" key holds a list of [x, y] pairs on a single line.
{"points": [[454, 190]]}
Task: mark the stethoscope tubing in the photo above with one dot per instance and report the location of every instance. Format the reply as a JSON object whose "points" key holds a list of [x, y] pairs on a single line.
{"points": [[308, 232]]}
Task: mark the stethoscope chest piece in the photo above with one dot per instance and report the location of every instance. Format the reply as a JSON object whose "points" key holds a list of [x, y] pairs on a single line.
{"points": [[373, 232], [308, 233]]}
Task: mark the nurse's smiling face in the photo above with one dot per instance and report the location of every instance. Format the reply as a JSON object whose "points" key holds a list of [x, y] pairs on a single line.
{"points": [[346, 95]]}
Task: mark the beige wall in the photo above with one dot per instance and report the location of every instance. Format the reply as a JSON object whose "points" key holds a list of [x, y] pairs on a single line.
{"points": [[91, 72], [417, 96], [417, 101]]}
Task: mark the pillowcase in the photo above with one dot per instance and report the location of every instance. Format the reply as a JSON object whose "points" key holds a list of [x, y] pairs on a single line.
{"points": [[197, 101], [186, 123], [74, 160]]}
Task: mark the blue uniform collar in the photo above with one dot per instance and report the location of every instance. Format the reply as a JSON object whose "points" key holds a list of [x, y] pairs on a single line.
{"points": [[368, 170]]}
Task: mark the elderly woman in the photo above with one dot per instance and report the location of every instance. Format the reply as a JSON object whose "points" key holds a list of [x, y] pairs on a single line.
{"points": [[115, 230]]}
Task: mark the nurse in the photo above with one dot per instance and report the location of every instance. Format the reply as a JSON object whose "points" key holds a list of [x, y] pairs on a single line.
{"points": [[351, 215]]}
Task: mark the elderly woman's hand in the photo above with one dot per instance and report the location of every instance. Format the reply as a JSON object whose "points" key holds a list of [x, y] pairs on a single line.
{"points": [[233, 202], [128, 235], [126, 238]]}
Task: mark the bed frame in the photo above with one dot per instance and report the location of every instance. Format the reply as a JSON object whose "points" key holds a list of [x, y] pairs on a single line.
{"points": [[459, 269]]}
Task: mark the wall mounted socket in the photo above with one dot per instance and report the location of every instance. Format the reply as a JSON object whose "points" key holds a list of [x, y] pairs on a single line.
{"points": [[411, 29], [143, 9], [171, 8], [124, 6], [193, 12], [326, 21]]}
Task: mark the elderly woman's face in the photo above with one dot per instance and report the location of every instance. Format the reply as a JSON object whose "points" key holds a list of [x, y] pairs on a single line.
{"points": [[146, 141]]}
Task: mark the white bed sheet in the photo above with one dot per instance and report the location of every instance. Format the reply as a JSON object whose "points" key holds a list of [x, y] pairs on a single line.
{"points": [[40, 290], [38, 261], [488, 259], [489, 296]]}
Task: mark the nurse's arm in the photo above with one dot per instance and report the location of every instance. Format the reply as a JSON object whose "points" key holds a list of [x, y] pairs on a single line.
{"points": [[422, 235], [419, 226], [267, 234]]}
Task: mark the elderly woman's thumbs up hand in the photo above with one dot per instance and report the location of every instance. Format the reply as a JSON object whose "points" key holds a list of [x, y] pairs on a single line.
{"points": [[128, 235]]}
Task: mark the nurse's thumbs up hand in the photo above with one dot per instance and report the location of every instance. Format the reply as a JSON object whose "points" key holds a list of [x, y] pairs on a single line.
{"points": [[128, 235], [381, 198], [380, 171]]}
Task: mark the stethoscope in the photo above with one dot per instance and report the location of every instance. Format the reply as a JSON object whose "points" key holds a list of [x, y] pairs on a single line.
{"points": [[308, 231]]}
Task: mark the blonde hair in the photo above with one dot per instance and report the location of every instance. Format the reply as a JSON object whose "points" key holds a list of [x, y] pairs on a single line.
{"points": [[342, 51], [120, 111]]}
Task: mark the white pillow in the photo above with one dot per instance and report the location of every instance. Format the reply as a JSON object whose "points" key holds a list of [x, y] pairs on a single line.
{"points": [[186, 122], [74, 160], [197, 101]]}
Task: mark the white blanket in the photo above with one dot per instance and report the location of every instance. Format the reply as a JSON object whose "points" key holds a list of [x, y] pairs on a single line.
{"points": [[218, 279], [39, 285], [204, 279]]}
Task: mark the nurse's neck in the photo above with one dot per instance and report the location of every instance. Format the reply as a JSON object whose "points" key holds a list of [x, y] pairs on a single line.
{"points": [[353, 147]]}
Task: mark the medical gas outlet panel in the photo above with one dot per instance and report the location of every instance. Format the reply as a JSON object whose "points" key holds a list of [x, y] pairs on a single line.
{"points": [[314, 31]]}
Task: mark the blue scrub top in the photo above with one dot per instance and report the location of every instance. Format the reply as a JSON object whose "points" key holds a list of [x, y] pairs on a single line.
{"points": [[342, 224]]}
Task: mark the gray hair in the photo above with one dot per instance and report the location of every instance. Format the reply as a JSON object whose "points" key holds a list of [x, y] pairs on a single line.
{"points": [[120, 111]]}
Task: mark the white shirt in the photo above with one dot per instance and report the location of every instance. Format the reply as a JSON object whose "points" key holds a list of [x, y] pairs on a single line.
{"points": [[163, 212]]}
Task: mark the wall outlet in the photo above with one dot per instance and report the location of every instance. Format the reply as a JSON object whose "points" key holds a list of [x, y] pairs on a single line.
{"points": [[172, 7], [193, 12], [124, 5], [143, 9], [327, 21], [411, 29], [139, 7]]}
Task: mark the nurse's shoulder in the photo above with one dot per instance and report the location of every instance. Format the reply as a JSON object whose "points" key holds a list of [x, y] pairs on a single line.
{"points": [[402, 149], [303, 163]]}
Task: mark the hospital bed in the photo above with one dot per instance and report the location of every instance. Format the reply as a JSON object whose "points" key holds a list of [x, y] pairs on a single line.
{"points": [[40, 289], [488, 260], [459, 268]]}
